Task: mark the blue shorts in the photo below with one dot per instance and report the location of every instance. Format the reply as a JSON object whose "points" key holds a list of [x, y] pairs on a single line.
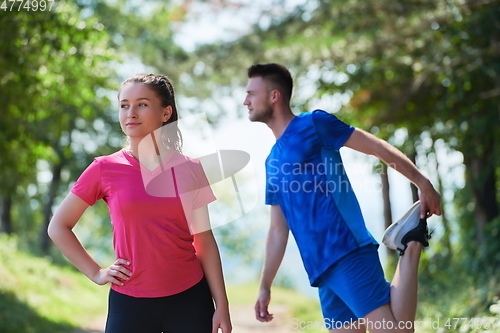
{"points": [[353, 286]]}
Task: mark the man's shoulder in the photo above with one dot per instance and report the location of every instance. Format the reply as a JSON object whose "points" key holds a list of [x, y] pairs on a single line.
{"points": [[317, 116], [309, 114], [321, 114], [307, 117]]}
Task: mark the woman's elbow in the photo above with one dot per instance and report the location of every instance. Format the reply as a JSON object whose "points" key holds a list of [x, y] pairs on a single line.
{"points": [[54, 229], [51, 230]]}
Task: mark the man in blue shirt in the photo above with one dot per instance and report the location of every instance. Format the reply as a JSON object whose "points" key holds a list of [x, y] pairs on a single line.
{"points": [[311, 196]]}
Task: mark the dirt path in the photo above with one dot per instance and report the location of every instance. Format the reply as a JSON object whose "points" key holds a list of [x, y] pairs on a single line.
{"points": [[244, 321], [95, 327], [242, 318]]}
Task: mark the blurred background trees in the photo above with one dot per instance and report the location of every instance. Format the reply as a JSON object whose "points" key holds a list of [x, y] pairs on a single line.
{"points": [[54, 71], [422, 74]]}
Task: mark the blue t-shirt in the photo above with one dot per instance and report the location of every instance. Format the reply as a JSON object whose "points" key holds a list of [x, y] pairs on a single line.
{"points": [[306, 177]]}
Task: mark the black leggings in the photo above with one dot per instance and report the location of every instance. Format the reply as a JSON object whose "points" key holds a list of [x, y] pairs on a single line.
{"points": [[190, 311]]}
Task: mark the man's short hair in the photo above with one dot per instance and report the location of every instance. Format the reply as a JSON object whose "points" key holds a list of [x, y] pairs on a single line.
{"points": [[276, 74]]}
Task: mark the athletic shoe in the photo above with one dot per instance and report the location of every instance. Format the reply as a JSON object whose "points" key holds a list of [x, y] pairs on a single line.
{"points": [[409, 228]]}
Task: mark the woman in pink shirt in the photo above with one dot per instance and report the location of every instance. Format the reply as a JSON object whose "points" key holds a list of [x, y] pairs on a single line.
{"points": [[168, 273]]}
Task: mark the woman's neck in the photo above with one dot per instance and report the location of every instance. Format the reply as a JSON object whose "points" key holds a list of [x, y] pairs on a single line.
{"points": [[133, 148], [147, 149]]}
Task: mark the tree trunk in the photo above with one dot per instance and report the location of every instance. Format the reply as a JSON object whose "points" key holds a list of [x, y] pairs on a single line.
{"points": [[6, 207], [481, 178], [47, 213], [413, 188], [384, 177]]}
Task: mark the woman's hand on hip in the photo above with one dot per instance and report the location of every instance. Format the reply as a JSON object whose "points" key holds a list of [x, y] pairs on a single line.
{"points": [[117, 273]]}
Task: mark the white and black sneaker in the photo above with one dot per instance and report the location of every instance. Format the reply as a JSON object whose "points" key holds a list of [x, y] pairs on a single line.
{"points": [[408, 228]]}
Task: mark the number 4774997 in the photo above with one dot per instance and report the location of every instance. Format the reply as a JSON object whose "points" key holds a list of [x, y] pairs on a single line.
{"points": [[27, 5], [486, 323]]}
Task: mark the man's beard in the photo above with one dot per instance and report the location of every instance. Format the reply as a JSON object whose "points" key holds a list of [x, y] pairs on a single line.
{"points": [[264, 117]]}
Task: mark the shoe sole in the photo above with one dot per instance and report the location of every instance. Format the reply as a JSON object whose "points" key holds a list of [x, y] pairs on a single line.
{"points": [[405, 224]]}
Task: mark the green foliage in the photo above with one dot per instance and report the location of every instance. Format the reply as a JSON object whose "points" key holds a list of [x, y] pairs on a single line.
{"points": [[54, 74], [51, 64], [143, 30], [457, 289]]}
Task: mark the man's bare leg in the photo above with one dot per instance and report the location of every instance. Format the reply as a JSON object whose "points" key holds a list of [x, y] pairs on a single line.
{"points": [[399, 314], [405, 284]]}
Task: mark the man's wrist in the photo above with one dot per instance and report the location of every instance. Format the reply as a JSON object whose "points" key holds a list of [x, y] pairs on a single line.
{"points": [[265, 287], [424, 184]]}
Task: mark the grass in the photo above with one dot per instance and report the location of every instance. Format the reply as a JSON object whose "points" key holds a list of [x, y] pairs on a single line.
{"points": [[38, 296], [455, 299]]}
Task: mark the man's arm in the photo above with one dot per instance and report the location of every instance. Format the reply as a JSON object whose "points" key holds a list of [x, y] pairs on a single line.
{"points": [[277, 239], [367, 143]]}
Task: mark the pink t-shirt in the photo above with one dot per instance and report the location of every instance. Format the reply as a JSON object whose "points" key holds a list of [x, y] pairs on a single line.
{"points": [[150, 226]]}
